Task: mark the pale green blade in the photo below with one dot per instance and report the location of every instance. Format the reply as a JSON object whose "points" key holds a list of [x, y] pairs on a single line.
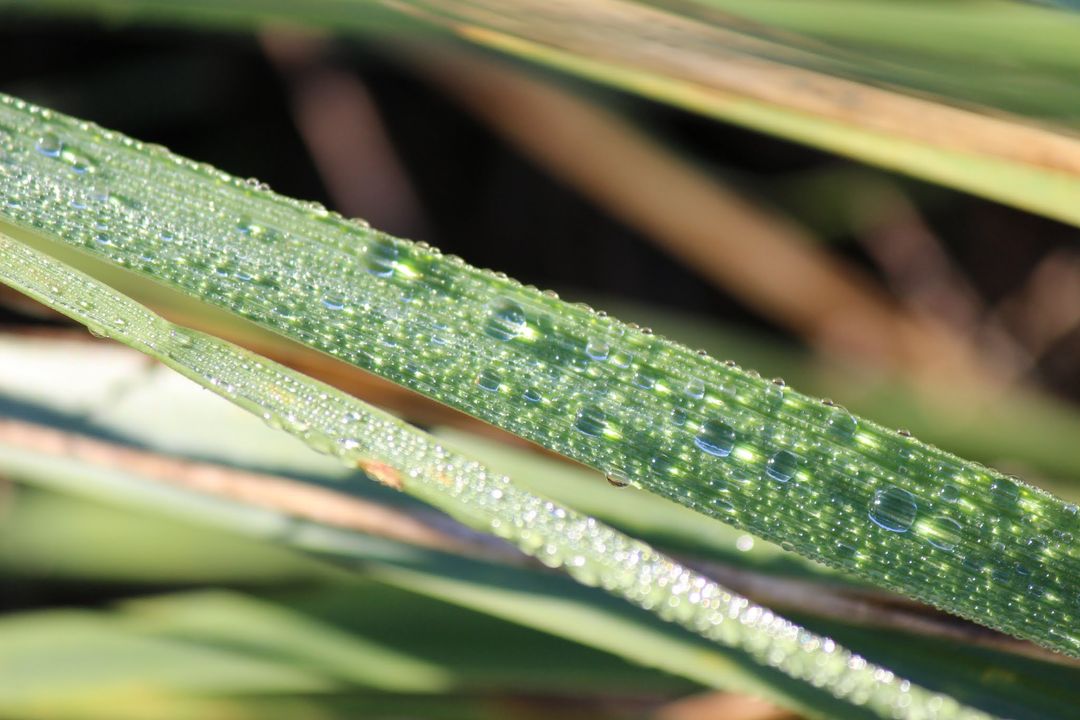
{"points": [[1010, 685], [408, 459], [798, 471]]}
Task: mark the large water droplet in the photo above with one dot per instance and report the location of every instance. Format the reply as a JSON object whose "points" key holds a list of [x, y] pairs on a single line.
{"points": [[507, 321], [949, 493], [249, 227], [893, 509], [591, 421], [645, 380], [489, 380], [381, 257], [597, 349], [661, 464], [1003, 493], [622, 358], [943, 532], [782, 466], [333, 302], [695, 388], [842, 425], [49, 144], [716, 438]]}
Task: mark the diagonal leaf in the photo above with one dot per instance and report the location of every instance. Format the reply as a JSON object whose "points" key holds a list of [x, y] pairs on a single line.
{"points": [[646, 411], [406, 458]]}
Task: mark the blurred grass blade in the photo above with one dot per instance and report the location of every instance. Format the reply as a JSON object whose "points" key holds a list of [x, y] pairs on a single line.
{"points": [[786, 76], [644, 410], [732, 75], [246, 460], [409, 459], [66, 536]]}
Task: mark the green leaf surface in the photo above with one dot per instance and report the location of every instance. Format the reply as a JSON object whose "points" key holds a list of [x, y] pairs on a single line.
{"points": [[406, 458], [645, 411]]}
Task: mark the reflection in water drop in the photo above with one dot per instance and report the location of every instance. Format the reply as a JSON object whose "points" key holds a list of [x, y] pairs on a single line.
{"points": [[506, 322], [893, 509], [381, 256], [782, 466], [591, 421], [49, 144], [943, 532], [695, 388], [489, 380], [1003, 493], [949, 493], [716, 438], [622, 358], [597, 349], [661, 464], [842, 425]]}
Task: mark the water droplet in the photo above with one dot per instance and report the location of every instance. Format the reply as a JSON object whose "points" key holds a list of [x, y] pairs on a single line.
{"points": [[661, 464], [845, 549], [333, 302], [597, 349], [49, 144], [721, 504], [507, 321], [842, 424], [181, 338], [949, 493], [621, 358], [782, 466], [774, 392], [381, 257], [678, 416], [893, 509], [695, 388], [249, 227], [943, 532], [645, 380], [1003, 493], [716, 438], [532, 395], [489, 380], [617, 481], [591, 421]]}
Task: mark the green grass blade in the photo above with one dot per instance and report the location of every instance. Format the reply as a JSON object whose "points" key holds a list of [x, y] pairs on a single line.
{"points": [[404, 457], [772, 80], [753, 453]]}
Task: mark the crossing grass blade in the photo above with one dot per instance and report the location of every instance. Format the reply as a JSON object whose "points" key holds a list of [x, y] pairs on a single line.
{"points": [[408, 459]]}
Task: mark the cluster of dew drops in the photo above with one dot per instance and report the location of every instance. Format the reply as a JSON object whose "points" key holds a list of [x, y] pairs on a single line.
{"points": [[646, 411]]}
